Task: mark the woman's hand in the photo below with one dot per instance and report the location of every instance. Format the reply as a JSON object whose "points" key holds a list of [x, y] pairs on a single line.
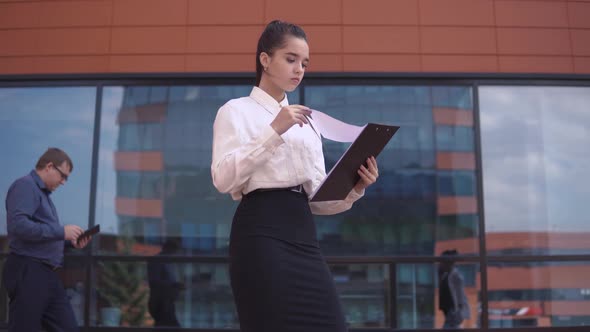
{"points": [[289, 116], [368, 175]]}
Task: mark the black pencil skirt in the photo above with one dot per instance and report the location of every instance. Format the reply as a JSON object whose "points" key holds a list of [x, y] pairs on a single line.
{"points": [[279, 278]]}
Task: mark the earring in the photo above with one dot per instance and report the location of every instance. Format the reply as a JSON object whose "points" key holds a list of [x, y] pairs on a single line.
{"points": [[265, 68]]}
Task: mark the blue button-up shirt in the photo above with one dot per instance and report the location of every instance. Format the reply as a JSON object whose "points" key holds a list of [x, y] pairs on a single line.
{"points": [[32, 222]]}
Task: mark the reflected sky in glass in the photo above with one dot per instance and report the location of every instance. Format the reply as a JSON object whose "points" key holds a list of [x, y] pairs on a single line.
{"points": [[34, 119], [535, 158]]}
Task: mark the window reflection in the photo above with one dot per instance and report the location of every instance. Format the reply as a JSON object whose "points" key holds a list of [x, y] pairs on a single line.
{"points": [[427, 171], [365, 293], [154, 169], [33, 119], [538, 294], [417, 295], [535, 160], [164, 294]]}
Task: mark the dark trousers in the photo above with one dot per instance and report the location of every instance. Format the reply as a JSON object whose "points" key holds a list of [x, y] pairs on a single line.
{"points": [[37, 297]]}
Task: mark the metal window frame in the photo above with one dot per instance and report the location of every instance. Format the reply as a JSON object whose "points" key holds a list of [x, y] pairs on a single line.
{"points": [[473, 80]]}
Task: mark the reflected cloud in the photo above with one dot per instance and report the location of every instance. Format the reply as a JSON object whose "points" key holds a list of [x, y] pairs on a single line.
{"points": [[534, 142]]}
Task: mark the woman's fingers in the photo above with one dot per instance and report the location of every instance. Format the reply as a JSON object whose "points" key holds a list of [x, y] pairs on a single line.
{"points": [[369, 175]]}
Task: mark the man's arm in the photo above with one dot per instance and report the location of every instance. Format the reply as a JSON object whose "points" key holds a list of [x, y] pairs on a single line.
{"points": [[21, 204]]}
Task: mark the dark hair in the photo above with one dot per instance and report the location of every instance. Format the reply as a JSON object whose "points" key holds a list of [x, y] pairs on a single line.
{"points": [[273, 37], [56, 157], [451, 252]]}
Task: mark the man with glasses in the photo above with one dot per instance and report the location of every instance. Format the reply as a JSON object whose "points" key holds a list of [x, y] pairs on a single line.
{"points": [[36, 240]]}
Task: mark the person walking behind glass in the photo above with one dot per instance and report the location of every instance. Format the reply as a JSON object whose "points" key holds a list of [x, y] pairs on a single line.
{"points": [[268, 154], [36, 240], [452, 299]]}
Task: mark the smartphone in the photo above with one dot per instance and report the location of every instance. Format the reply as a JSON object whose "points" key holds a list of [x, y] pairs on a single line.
{"points": [[87, 233]]}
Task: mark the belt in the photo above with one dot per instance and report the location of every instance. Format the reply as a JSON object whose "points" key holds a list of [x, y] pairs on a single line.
{"points": [[44, 262], [297, 189]]}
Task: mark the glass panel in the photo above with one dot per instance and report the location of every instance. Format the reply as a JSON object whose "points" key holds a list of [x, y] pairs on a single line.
{"points": [[427, 168], [539, 294], [33, 119], [159, 293], [418, 295], [154, 177], [535, 163], [365, 294]]}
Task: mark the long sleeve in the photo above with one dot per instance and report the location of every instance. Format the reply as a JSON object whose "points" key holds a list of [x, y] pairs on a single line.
{"points": [[21, 204], [234, 158], [335, 207]]}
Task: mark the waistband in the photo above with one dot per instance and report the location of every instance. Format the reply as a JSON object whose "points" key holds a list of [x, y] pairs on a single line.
{"points": [[38, 260], [298, 189]]}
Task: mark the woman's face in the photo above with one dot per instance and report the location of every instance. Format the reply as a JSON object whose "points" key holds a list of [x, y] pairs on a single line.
{"points": [[286, 67]]}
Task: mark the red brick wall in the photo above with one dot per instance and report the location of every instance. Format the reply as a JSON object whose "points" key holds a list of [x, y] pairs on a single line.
{"points": [[102, 36]]}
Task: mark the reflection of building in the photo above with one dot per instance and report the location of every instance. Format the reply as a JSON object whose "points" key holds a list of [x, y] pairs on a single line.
{"points": [[163, 177], [531, 293]]}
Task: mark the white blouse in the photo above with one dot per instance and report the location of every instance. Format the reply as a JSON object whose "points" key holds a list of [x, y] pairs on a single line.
{"points": [[248, 154]]}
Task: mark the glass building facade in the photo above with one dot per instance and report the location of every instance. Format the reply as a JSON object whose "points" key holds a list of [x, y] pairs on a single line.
{"points": [[495, 170]]}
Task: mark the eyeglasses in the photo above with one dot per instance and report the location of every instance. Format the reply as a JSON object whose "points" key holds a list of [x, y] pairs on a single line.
{"points": [[63, 175]]}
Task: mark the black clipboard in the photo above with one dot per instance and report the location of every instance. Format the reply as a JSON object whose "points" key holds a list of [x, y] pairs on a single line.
{"points": [[343, 176], [89, 232]]}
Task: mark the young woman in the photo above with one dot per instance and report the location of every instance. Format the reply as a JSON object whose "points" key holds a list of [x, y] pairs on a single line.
{"points": [[268, 154]]}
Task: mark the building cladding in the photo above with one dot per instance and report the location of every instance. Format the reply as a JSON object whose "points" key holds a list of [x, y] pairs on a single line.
{"points": [[440, 176], [187, 36]]}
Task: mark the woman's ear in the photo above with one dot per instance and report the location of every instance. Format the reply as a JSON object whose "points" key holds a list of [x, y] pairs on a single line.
{"points": [[264, 60]]}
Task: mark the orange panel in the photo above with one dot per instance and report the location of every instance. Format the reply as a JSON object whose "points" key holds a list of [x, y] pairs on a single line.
{"points": [[538, 277], [531, 13], [150, 12], [467, 40], [225, 12], [460, 63], [153, 113], [465, 246], [325, 62], [456, 205], [72, 64], [579, 14], [16, 65], [536, 64], [582, 65], [514, 41], [147, 63], [508, 240], [455, 160], [19, 15], [581, 41], [452, 117], [149, 40], [221, 39], [324, 39], [514, 304], [138, 161], [75, 13], [19, 42], [139, 207], [457, 12], [74, 41], [221, 63], [358, 39], [368, 12], [304, 11], [378, 63], [568, 308]]}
